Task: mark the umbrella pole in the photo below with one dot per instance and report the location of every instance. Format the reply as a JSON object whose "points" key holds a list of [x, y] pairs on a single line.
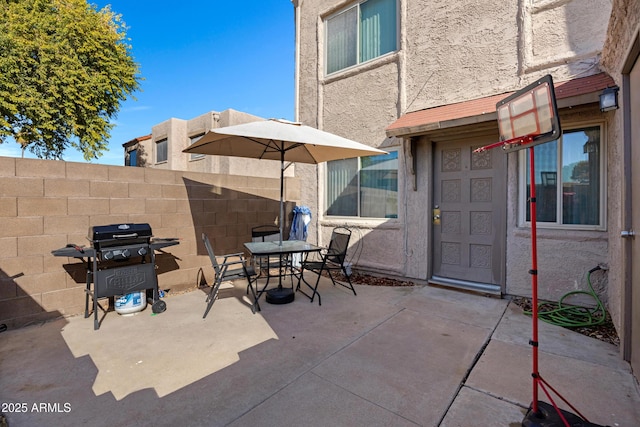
{"points": [[281, 295], [281, 194]]}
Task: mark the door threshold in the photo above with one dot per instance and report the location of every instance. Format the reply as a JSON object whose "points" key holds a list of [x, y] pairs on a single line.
{"points": [[485, 288]]}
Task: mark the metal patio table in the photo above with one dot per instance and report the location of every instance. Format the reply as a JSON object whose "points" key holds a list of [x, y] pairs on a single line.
{"points": [[280, 294]]}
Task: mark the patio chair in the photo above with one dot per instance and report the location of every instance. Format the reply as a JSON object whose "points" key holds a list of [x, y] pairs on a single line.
{"points": [[265, 233], [239, 270], [331, 259]]}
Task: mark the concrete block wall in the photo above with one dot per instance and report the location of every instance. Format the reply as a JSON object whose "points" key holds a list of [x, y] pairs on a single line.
{"points": [[46, 204]]}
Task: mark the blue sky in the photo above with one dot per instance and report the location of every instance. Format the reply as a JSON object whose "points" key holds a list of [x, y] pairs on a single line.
{"points": [[197, 56]]}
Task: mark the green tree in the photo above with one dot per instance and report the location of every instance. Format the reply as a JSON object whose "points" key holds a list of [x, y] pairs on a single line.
{"points": [[580, 172], [65, 67]]}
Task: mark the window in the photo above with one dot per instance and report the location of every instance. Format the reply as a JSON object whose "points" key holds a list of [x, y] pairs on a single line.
{"points": [[193, 140], [568, 180], [131, 158], [161, 151], [363, 187], [361, 33]]}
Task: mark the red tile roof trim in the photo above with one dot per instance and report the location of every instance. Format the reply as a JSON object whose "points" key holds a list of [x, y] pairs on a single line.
{"points": [[481, 106]]}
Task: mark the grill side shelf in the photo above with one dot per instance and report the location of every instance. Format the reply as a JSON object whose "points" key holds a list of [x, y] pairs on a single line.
{"points": [[74, 252], [163, 243]]}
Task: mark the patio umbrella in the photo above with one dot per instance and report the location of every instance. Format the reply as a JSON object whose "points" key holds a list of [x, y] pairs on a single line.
{"points": [[279, 140]]}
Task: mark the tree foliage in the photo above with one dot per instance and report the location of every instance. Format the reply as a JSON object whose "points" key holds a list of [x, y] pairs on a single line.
{"points": [[65, 67], [580, 172]]}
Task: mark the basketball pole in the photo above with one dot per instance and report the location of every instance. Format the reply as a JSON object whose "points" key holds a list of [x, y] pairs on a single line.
{"points": [[527, 118], [534, 278], [535, 373], [536, 414]]}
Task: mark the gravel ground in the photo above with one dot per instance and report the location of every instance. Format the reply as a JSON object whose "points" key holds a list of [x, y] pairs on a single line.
{"points": [[363, 279]]}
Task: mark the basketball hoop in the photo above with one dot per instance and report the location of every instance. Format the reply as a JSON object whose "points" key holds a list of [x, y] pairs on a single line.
{"points": [[530, 113], [528, 118]]}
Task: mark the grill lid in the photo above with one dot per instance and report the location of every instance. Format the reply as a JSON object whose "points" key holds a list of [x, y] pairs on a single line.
{"points": [[119, 234]]}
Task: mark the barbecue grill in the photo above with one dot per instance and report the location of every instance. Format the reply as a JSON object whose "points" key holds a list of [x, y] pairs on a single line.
{"points": [[121, 260]]}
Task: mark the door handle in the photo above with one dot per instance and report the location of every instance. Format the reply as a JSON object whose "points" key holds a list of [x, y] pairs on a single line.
{"points": [[627, 234], [436, 215]]}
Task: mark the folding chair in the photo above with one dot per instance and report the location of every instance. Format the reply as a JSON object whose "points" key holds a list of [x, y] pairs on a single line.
{"points": [[265, 233], [223, 273], [331, 259]]}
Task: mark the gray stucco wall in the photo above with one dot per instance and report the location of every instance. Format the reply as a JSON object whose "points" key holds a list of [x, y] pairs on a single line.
{"points": [[363, 116], [448, 52], [458, 50], [624, 27]]}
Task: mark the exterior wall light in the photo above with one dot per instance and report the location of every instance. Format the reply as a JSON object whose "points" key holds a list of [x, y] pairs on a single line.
{"points": [[609, 99]]}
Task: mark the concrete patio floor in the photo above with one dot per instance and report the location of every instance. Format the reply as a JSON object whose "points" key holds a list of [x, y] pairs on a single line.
{"points": [[391, 356]]}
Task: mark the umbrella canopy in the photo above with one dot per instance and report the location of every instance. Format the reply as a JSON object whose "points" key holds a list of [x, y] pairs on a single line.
{"points": [[270, 139], [279, 140]]}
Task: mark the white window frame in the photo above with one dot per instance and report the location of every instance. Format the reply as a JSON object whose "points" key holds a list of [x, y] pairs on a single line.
{"points": [[522, 185], [359, 217], [358, 63]]}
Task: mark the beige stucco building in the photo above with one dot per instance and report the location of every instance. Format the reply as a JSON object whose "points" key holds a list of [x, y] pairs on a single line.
{"points": [[162, 149], [421, 79]]}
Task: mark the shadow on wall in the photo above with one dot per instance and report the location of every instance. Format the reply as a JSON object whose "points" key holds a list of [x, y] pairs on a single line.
{"points": [[20, 307], [166, 262], [227, 216], [568, 34], [17, 304], [142, 156]]}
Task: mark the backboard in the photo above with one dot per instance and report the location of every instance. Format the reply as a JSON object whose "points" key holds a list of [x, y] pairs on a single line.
{"points": [[529, 117]]}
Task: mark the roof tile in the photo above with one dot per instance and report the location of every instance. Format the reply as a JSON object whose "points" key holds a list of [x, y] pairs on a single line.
{"points": [[480, 106]]}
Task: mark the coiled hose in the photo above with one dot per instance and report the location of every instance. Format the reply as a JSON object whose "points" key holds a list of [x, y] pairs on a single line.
{"points": [[573, 316]]}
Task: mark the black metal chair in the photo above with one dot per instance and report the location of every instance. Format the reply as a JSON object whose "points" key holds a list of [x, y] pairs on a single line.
{"points": [[331, 259], [265, 233], [223, 273]]}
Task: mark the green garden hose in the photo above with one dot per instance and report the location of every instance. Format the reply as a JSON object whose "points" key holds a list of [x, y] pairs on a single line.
{"points": [[572, 316]]}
